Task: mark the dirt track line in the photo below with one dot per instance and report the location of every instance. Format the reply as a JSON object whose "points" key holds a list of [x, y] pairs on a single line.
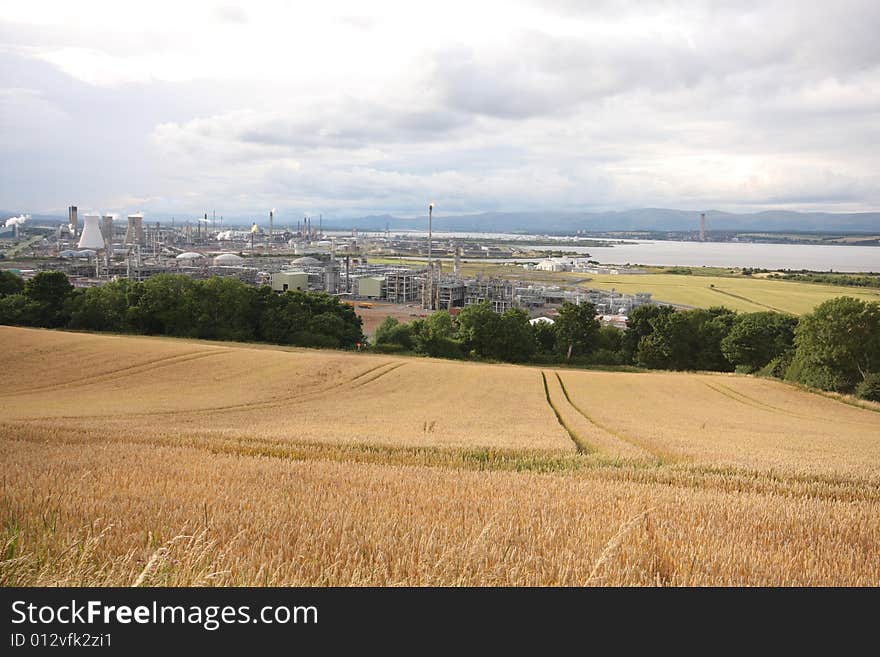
{"points": [[269, 403], [380, 374], [751, 301], [735, 395], [117, 373], [579, 444], [661, 457]]}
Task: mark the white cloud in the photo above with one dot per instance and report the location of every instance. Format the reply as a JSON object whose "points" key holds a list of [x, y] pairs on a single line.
{"points": [[494, 105]]}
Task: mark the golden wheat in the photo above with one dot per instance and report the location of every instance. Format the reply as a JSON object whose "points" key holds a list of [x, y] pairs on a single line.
{"points": [[143, 461]]}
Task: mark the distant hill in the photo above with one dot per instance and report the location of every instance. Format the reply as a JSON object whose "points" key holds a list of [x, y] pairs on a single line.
{"points": [[655, 219]]}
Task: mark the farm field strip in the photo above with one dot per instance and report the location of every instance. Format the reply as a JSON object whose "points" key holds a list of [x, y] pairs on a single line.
{"points": [[213, 519], [328, 468], [302, 396], [592, 465], [742, 294], [687, 417]]}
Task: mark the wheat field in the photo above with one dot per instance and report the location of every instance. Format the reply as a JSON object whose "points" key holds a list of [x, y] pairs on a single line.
{"points": [[150, 461]]}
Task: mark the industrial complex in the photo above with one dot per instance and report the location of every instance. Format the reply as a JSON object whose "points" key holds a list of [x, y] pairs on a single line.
{"points": [[365, 269]]}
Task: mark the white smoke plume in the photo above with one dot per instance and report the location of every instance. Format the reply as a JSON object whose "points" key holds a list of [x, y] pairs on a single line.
{"points": [[17, 221]]}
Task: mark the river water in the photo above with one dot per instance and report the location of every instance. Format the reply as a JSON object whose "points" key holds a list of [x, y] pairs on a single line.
{"points": [[816, 257], [669, 253]]}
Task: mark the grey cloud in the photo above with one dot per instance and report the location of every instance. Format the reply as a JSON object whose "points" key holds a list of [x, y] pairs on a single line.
{"points": [[753, 53], [352, 125]]}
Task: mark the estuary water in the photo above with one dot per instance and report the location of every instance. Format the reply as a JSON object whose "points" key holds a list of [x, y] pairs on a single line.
{"points": [[735, 254], [668, 253]]}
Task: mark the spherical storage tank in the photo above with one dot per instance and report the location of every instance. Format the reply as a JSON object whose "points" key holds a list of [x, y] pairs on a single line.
{"points": [[228, 259]]}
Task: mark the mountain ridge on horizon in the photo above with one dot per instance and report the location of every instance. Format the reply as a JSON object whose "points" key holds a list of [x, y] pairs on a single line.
{"points": [[638, 219]]}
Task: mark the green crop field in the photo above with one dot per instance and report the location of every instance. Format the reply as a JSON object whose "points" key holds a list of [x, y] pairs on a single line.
{"points": [[742, 293]]}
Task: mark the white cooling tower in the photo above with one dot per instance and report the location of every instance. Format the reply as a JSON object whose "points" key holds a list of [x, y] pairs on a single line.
{"points": [[91, 237]]}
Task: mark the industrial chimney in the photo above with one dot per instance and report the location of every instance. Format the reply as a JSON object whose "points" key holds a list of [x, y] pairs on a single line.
{"points": [[72, 220], [134, 234], [702, 226], [271, 226]]}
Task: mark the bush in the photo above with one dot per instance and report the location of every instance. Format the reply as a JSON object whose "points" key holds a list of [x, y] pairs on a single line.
{"points": [[604, 356], [388, 348], [778, 366], [869, 388]]}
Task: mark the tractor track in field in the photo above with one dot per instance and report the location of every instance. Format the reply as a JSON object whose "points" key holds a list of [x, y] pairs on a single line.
{"points": [[377, 376], [268, 403], [747, 300], [660, 457], [580, 444], [119, 373], [743, 398]]}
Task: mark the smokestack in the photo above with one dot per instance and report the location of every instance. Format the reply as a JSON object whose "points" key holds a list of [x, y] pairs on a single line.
{"points": [[702, 226], [271, 226], [72, 221]]}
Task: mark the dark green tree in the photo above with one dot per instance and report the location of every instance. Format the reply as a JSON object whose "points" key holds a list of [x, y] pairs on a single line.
{"points": [[103, 308], [13, 309], [688, 340], [10, 283], [46, 294], [434, 336], [226, 309], [638, 326], [393, 332], [757, 338], [577, 329], [545, 338], [479, 328], [837, 345], [609, 349], [167, 306], [516, 339]]}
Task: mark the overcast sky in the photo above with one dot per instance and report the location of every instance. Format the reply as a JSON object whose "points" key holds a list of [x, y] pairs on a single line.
{"points": [[353, 108]]}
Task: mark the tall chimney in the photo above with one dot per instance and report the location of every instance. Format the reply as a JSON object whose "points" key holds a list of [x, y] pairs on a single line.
{"points": [[271, 226], [72, 221]]}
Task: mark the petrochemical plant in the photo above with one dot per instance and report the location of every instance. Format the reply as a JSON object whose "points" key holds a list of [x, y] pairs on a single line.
{"points": [[103, 247]]}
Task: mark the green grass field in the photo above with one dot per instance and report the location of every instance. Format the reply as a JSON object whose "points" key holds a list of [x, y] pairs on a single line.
{"points": [[740, 293]]}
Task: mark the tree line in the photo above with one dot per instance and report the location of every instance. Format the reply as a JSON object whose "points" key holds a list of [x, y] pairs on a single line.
{"points": [[216, 308], [836, 347]]}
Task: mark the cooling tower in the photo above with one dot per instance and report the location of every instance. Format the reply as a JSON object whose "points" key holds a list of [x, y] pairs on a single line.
{"points": [[107, 228], [134, 234], [91, 237]]}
